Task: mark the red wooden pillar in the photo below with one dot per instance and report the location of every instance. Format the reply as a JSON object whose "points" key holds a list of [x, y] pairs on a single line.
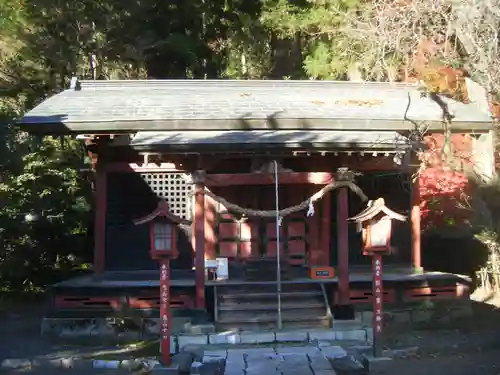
{"points": [[326, 232], [199, 243], [343, 245], [100, 196], [210, 228], [416, 258]]}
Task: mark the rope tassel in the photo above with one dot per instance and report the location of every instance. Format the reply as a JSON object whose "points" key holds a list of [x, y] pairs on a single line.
{"points": [[310, 210]]}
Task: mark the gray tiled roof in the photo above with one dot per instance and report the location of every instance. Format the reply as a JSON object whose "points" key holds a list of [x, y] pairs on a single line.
{"points": [[217, 104], [287, 138]]}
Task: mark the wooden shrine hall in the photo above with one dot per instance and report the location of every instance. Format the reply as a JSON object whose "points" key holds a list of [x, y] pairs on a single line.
{"points": [[219, 154]]}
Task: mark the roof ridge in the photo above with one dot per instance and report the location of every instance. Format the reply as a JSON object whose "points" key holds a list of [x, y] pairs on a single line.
{"points": [[242, 84]]}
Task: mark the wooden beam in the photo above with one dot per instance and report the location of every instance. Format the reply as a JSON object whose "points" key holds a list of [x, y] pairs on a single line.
{"points": [[237, 163], [101, 187], [240, 179]]}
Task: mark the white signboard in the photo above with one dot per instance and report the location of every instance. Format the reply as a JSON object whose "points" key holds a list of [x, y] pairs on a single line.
{"points": [[222, 269]]}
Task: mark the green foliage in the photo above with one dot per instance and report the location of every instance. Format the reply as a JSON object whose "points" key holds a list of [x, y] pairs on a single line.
{"points": [[46, 184], [327, 52]]}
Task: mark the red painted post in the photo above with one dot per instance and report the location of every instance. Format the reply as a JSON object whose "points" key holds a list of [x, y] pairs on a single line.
{"points": [[415, 215], [165, 326], [199, 244], [343, 245], [378, 303]]}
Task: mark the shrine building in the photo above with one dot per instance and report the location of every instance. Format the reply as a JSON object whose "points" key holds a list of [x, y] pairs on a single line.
{"points": [[218, 154]]}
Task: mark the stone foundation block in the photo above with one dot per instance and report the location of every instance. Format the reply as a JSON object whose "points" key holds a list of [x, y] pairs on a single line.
{"points": [[183, 340], [257, 337], [351, 335], [322, 334], [292, 336], [224, 338], [197, 329]]}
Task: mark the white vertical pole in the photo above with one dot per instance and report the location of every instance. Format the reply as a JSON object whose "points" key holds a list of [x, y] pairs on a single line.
{"points": [[278, 261]]}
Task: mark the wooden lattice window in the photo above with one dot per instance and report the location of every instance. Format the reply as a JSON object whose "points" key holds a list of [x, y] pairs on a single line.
{"points": [[174, 188]]}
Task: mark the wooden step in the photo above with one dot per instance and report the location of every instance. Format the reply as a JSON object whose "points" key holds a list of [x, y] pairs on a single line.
{"points": [[251, 306], [274, 270], [272, 287], [268, 295], [263, 276], [254, 306]]}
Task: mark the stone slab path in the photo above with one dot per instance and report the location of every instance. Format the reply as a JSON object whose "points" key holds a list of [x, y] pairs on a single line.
{"points": [[296, 360]]}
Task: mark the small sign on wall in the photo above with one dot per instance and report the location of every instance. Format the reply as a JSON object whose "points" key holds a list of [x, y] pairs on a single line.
{"points": [[322, 273]]}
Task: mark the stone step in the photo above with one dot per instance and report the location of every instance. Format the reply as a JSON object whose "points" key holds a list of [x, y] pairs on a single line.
{"points": [[255, 306], [270, 325]]}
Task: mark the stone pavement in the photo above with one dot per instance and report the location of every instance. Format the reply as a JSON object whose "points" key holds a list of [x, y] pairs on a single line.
{"points": [[59, 371], [291, 360]]}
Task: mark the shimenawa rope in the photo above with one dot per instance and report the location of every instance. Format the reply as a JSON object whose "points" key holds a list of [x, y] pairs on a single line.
{"points": [[249, 212]]}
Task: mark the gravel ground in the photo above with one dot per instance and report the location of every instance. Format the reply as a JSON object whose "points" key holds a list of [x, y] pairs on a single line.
{"points": [[487, 363], [465, 347], [468, 347]]}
